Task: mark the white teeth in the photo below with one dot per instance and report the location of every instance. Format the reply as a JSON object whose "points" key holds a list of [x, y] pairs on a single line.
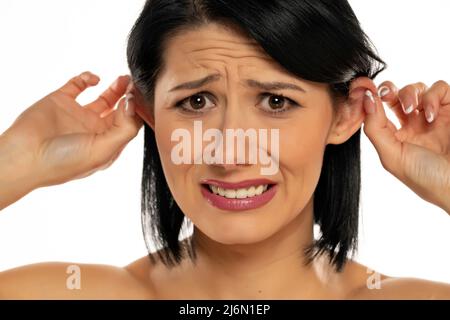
{"points": [[230, 193], [259, 190], [221, 191], [241, 193], [251, 191]]}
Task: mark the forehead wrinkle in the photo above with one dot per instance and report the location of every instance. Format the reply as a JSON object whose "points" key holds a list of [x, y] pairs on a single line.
{"points": [[205, 63], [225, 62], [219, 47], [227, 53]]}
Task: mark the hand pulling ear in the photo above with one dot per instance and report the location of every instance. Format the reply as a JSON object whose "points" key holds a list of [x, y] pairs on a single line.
{"points": [[350, 115], [140, 108]]}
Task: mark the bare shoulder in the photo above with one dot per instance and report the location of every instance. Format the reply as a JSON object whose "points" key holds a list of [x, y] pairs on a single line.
{"points": [[141, 269], [158, 276], [150, 272], [374, 285], [356, 281], [63, 280], [165, 282]]}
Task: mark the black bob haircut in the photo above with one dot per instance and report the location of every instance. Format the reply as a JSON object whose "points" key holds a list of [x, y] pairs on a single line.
{"points": [[316, 40]]}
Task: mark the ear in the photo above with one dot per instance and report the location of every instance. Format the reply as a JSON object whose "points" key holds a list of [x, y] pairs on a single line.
{"points": [[146, 115], [350, 114], [141, 108]]}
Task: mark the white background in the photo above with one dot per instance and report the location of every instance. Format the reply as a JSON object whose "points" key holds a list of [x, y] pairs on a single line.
{"points": [[97, 219]]}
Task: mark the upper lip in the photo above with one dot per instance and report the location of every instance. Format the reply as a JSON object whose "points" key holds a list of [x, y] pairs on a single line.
{"points": [[237, 185]]}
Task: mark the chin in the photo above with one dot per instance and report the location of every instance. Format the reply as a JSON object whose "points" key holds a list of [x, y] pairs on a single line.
{"points": [[238, 232]]}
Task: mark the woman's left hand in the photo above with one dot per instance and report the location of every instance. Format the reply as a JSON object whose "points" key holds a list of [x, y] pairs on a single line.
{"points": [[418, 153]]}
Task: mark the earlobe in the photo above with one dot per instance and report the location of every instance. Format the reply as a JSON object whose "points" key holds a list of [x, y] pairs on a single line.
{"points": [[145, 115], [141, 109]]}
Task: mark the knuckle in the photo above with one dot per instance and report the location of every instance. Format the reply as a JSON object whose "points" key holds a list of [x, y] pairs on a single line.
{"points": [[103, 101], [410, 89], [421, 85], [403, 93], [426, 97], [408, 94], [441, 83], [421, 88], [78, 82]]}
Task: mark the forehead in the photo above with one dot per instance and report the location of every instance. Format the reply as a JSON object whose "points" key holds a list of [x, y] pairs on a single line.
{"points": [[214, 47]]}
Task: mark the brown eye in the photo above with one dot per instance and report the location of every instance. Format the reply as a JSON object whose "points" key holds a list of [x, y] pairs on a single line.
{"points": [[197, 102], [276, 102]]}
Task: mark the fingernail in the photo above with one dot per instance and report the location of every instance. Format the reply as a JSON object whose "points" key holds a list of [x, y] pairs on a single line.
{"points": [[383, 91], [369, 104], [429, 114], [129, 105], [408, 109], [85, 76]]}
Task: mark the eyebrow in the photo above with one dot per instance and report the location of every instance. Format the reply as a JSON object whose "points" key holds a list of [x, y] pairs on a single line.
{"points": [[250, 82], [274, 85], [196, 83]]}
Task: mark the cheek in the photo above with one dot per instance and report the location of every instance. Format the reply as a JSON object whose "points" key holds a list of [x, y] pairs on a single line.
{"points": [[163, 133], [301, 154], [302, 142], [178, 176]]}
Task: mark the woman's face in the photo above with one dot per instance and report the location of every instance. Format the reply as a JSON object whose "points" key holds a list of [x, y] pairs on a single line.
{"points": [[234, 98]]}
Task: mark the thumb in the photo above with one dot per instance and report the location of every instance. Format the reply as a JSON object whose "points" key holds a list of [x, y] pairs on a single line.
{"points": [[382, 133], [126, 125]]}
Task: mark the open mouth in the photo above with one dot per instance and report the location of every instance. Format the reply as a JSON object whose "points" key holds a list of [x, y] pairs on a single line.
{"points": [[238, 196], [241, 193]]}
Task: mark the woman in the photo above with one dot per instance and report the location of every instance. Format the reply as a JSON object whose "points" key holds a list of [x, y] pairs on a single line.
{"points": [[303, 68]]}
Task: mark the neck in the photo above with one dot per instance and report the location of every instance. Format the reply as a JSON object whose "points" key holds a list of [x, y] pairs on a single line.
{"points": [[275, 266]]}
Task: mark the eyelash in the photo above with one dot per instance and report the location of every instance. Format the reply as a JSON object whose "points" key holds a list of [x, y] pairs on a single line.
{"points": [[291, 103]]}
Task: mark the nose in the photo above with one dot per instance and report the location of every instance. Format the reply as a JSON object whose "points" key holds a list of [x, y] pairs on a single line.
{"points": [[236, 137]]}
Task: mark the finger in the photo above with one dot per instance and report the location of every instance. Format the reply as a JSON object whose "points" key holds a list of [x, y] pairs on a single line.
{"points": [[388, 93], [438, 95], [78, 84], [108, 99], [381, 132], [126, 125], [410, 97]]}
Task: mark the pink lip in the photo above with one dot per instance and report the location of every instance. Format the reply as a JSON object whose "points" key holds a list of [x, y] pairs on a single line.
{"points": [[239, 204]]}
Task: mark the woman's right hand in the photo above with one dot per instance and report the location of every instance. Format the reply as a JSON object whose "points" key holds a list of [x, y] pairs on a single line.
{"points": [[62, 141]]}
